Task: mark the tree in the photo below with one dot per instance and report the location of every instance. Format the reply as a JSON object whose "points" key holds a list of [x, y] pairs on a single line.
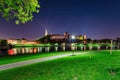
{"points": [[44, 39], [95, 41], [105, 40], [3, 42], [23, 39], [88, 40], [19, 10]]}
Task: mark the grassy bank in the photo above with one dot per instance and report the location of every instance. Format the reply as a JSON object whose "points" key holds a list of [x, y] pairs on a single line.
{"points": [[96, 65]]}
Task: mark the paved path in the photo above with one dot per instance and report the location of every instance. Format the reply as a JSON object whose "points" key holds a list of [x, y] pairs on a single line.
{"points": [[27, 62]]}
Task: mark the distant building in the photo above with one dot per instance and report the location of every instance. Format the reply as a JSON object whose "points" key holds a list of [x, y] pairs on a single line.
{"points": [[57, 38], [20, 41], [31, 42], [54, 38], [24, 41], [60, 38], [81, 38], [14, 41]]}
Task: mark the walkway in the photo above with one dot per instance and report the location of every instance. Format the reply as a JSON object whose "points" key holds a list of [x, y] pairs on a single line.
{"points": [[23, 63]]}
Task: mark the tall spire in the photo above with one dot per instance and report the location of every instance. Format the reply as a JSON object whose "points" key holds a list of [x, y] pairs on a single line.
{"points": [[46, 32]]}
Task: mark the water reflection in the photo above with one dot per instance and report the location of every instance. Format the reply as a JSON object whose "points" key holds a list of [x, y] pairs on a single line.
{"points": [[27, 50], [14, 51], [40, 49], [10, 52], [23, 50], [35, 50]]}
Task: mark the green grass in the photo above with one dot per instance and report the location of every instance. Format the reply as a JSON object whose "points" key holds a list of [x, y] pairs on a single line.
{"points": [[16, 58], [96, 65]]}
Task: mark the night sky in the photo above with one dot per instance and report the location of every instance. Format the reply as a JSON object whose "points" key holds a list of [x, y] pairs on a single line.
{"points": [[95, 18]]}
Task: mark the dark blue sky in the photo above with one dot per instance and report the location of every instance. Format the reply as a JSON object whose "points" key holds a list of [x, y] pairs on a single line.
{"points": [[95, 18]]}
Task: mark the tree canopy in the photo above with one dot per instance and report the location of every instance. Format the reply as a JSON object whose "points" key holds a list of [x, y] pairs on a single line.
{"points": [[19, 10]]}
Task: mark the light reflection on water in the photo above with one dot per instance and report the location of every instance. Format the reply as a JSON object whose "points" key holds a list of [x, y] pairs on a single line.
{"points": [[27, 50]]}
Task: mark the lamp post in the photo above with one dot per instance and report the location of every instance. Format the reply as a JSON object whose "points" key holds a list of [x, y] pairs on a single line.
{"points": [[111, 45], [73, 38]]}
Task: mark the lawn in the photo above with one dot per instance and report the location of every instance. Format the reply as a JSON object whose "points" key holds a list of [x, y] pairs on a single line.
{"points": [[96, 65], [16, 58]]}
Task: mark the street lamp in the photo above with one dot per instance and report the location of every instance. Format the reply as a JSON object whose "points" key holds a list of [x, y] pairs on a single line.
{"points": [[73, 45], [73, 37], [111, 45]]}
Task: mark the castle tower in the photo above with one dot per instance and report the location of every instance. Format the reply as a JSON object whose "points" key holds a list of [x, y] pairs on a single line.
{"points": [[46, 32]]}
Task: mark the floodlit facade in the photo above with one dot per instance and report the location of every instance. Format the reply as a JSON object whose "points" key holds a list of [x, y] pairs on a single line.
{"points": [[20, 41]]}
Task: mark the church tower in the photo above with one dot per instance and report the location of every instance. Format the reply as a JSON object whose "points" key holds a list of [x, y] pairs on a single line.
{"points": [[46, 32]]}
